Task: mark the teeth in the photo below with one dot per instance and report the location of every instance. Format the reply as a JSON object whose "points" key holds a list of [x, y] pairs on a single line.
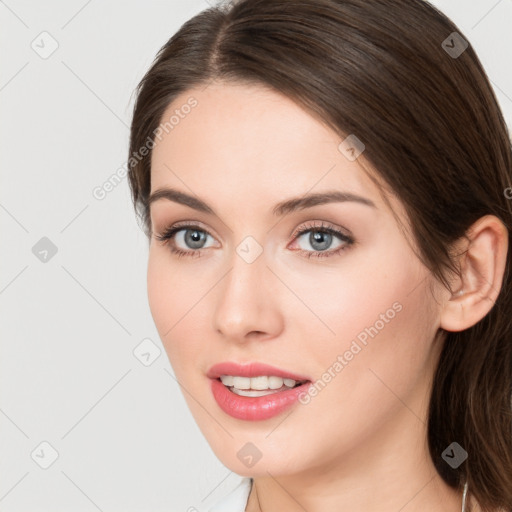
{"points": [[250, 392], [259, 383], [227, 380], [242, 382], [276, 382]]}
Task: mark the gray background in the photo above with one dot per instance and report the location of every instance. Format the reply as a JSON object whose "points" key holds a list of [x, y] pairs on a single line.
{"points": [[71, 373]]}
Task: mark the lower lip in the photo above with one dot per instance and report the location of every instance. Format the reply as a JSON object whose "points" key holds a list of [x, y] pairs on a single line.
{"points": [[255, 408]]}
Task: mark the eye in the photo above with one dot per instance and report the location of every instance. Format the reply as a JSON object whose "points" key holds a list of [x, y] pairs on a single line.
{"points": [[192, 239], [320, 238], [189, 236]]}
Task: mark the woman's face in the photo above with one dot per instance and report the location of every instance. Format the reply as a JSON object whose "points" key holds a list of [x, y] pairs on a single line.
{"points": [[352, 313]]}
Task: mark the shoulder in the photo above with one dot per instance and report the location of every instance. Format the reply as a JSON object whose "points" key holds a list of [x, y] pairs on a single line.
{"points": [[236, 500]]}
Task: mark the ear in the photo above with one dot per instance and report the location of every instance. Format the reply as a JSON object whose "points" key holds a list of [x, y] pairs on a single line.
{"points": [[482, 263]]}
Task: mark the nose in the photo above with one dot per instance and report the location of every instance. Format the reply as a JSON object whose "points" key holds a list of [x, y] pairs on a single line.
{"points": [[247, 302]]}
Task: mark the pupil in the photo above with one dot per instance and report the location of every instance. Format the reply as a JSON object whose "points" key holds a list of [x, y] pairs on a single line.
{"points": [[317, 237], [194, 238]]}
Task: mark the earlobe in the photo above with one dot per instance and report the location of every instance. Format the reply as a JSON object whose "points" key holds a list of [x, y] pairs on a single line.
{"points": [[482, 266]]}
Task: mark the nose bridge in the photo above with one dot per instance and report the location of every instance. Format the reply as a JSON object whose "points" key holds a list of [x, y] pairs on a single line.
{"points": [[243, 304]]}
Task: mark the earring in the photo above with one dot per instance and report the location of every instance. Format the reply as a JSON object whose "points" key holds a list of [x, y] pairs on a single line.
{"points": [[464, 496], [459, 293]]}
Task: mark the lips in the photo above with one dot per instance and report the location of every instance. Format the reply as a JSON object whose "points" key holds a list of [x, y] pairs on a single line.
{"points": [[252, 370], [255, 408]]}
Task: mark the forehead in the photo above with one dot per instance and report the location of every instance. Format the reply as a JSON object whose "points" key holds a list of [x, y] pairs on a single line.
{"points": [[241, 142]]}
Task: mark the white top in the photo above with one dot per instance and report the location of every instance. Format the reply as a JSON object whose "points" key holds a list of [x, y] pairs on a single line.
{"points": [[236, 500]]}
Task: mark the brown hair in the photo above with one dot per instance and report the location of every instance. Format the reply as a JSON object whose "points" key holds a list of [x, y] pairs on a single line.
{"points": [[385, 71]]}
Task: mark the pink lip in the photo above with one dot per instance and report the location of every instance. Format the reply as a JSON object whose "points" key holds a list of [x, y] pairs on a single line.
{"points": [[254, 408], [251, 370]]}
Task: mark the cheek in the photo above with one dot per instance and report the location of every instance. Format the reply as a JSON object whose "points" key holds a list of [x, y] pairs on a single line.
{"points": [[346, 300], [159, 284], [375, 316], [171, 290], [384, 365], [172, 301]]}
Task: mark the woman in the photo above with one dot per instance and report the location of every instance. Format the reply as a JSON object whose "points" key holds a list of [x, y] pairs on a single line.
{"points": [[325, 186]]}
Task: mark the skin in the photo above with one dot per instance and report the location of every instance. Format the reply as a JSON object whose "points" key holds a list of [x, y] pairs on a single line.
{"points": [[360, 444]]}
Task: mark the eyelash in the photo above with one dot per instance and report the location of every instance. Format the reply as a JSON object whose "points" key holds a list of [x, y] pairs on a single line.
{"points": [[169, 233]]}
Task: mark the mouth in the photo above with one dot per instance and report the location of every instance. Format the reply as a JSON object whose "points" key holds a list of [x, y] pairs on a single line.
{"points": [[255, 391]]}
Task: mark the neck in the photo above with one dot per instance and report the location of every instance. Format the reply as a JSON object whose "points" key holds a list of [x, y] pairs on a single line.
{"points": [[387, 474], [419, 493]]}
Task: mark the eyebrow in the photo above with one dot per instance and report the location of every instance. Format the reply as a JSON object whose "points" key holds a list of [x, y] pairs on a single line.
{"points": [[282, 208]]}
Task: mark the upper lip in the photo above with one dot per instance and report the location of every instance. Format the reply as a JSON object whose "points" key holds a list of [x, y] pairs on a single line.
{"points": [[252, 369]]}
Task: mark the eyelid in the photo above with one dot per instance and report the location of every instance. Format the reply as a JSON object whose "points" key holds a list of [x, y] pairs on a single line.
{"points": [[299, 230], [347, 241], [321, 225], [179, 225]]}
